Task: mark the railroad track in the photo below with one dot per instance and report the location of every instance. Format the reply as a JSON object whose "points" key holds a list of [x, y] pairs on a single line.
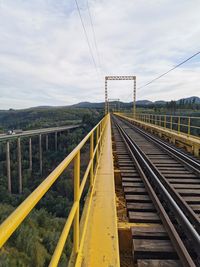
{"points": [[162, 190]]}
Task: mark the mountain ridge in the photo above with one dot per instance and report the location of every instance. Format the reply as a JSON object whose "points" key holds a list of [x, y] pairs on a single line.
{"points": [[193, 99], [87, 104]]}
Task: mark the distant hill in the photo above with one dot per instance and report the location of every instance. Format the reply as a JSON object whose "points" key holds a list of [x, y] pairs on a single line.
{"points": [[144, 102], [88, 105], [100, 105], [193, 99], [160, 102]]}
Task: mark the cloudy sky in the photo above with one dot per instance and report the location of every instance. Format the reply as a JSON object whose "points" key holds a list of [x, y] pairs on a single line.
{"points": [[45, 59]]}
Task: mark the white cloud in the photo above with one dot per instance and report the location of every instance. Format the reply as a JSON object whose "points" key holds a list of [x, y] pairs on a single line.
{"points": [[44, 58]]}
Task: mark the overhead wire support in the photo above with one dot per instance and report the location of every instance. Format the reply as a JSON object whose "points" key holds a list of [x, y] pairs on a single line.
{"points": [[170, 70]]}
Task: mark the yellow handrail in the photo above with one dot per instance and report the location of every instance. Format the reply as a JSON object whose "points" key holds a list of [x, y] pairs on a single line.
{"points": [[20, 213], [182, 124]]}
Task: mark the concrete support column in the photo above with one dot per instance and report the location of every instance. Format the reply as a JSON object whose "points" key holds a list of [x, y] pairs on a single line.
{"points": [[56, 141], [47, 142], [30, 155], [19, 158], [8, 166], [40, 152]]}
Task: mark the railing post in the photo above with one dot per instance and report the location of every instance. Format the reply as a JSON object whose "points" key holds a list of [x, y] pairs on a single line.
{"points": [[165, 122], [97, 138], [189, 126], [179, 122], [171, 122], [100, 130], [76, 198], [91, 158]]}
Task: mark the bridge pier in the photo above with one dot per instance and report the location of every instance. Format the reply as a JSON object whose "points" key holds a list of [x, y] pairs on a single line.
{"points": [[40, 152], [60, 146], [47, 142], [19, 158], [56, 141], [5, 148], [30, 155], [8, 166]]}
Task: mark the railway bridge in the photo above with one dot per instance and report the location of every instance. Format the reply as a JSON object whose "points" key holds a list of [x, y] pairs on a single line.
{"points": [[142, 206]]}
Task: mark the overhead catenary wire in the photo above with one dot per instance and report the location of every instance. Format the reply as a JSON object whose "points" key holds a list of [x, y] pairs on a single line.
{"points": [[87, 38], [165, 73], [94, 34]]}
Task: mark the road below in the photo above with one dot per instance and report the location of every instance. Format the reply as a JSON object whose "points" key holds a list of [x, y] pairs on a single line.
{"points": [[4, 137]]}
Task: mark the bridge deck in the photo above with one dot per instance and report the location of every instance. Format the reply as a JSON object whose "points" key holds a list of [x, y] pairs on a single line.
{"points": [[5, 137], [101, 242], [191, 143]]}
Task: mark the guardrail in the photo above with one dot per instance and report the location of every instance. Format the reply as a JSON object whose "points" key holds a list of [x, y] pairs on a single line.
{"points": [[180, 124], [95, 137]]}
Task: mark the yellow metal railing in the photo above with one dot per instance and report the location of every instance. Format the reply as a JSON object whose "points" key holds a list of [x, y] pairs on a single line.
{"points": [[181, 124], [17, 217]]}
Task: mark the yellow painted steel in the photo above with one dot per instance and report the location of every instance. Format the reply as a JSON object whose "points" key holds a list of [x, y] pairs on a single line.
{"points": [[174, 136], [189, 127], [76, 199], [63, 237], [17, 217], [128, 225], [180, 124], [91, 157], [99, 244]]}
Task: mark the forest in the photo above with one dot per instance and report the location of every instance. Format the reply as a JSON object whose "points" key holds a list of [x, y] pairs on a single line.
{"points": [[34, 241]]}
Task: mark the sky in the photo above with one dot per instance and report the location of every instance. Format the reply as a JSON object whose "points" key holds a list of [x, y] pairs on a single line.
{"points": [[45, 58]]}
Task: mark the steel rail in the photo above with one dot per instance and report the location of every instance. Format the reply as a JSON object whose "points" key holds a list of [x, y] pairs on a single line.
{"points": [[182, 204], [192, 216], [190, 231], [189, 162]]}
